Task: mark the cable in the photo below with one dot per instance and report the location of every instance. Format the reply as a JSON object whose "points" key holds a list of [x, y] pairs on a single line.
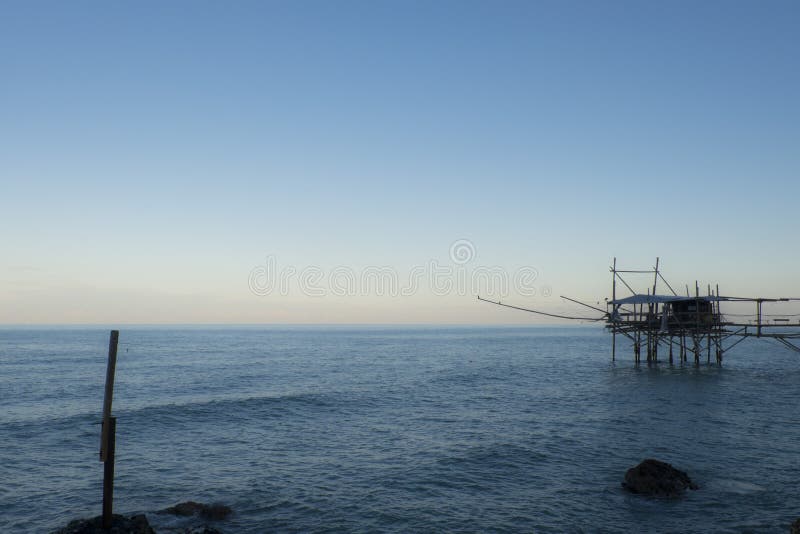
{"points": [[541, 312]]}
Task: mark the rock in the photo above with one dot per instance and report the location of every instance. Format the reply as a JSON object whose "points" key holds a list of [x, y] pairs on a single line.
{"points": [[794, 528], [660, 479], [207, 511], [205, 529], [120, 524]]}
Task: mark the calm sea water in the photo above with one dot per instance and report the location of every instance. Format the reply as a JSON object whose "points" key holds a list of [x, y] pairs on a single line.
{"points": [[395, 430]]}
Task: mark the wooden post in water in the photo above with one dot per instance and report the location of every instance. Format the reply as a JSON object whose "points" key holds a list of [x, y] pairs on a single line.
{"points": [[697, 345], [683, 347], [655, 341], [758, 315], [613, 299], [710, 328], [670, 350], [108, 433], [719, 331], [108, 473]]}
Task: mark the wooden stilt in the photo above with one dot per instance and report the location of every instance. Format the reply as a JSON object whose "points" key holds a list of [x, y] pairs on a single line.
{"points": [[614, 345], [613, 309], [655, 347], [683, 348], [670, 350]]}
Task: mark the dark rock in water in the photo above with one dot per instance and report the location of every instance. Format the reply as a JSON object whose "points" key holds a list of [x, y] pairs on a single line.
{"points": [[794, 528], [120, 524], [659, 479], [203, 530], [207, 511]]}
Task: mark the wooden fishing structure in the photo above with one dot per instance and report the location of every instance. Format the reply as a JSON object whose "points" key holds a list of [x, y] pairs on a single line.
{"points": [[673, 326]]}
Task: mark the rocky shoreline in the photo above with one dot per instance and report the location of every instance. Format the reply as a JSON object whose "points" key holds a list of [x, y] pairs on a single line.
{"points": [[650, 477], [139, 524]]}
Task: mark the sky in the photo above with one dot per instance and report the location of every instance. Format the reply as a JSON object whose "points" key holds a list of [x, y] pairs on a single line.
{"points": [[386, 162]]}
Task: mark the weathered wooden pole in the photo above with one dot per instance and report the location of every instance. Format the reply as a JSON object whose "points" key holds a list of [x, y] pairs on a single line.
{"points": [[655, 342], [108, 433], [108, 474], [697, 345], [655, 277], [758, 315], [683, 347], [613, 309], [719, 330], [670, 350]]}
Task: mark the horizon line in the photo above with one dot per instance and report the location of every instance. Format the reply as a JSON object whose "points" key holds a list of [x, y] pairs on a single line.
{"points": [[278, 324]]}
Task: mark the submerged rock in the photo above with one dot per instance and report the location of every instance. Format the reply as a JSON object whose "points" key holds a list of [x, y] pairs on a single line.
{"points": [[207, 511], [205, 529], [660, 479], [120, 524], [794, 528]]}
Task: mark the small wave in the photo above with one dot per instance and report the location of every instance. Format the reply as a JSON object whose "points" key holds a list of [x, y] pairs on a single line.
{"points": [[739, 487], [199, 410], [500, 458], [258, 406]]}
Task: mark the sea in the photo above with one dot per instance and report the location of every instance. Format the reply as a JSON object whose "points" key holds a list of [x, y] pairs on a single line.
{"points": [[394, 429]]}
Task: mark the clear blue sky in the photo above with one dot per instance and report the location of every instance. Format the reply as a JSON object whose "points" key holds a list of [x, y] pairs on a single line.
{"points": [[152, 154]]}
